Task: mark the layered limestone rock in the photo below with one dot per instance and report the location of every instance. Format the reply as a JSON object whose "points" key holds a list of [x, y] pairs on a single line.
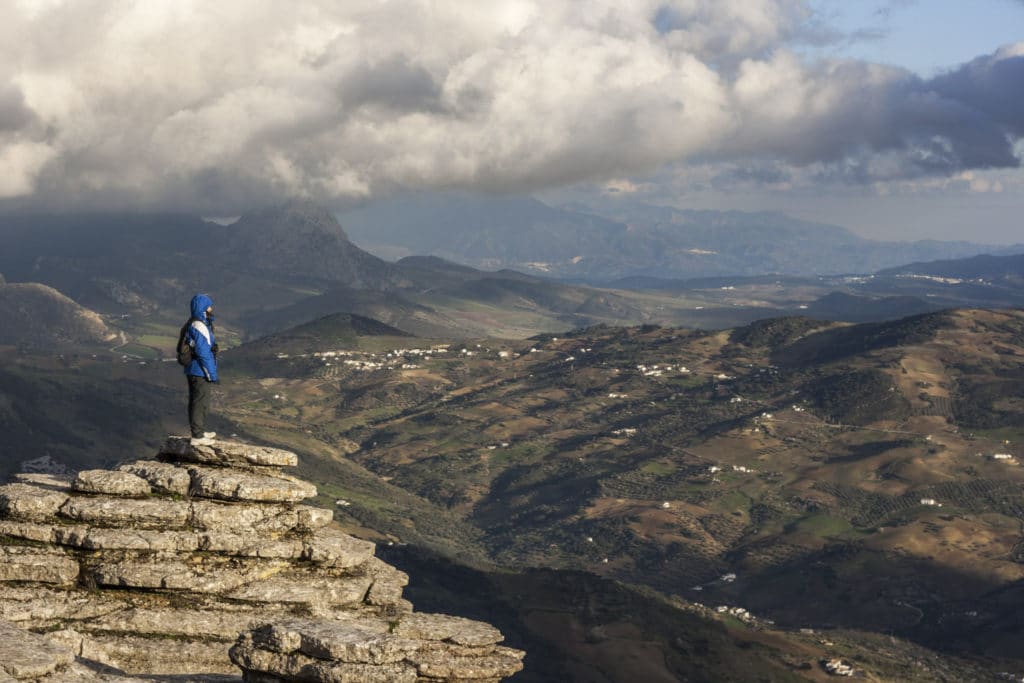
{"points": [[441, 648], [162, 566]]}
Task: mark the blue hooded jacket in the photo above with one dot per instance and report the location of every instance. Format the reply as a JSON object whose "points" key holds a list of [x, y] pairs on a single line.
{"points": [[200, 338]]}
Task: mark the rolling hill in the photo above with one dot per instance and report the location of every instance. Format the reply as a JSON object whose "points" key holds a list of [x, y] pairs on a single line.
{"points": [[793, 455], [39, 316], [860, 482]]}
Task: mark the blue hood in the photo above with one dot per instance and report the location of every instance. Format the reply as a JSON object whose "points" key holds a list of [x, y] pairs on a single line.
{"points": [[200, 302]]}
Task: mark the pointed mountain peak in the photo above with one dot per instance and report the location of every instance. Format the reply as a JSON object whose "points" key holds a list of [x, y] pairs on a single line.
{"points": [[297, 215], [301, 239]]}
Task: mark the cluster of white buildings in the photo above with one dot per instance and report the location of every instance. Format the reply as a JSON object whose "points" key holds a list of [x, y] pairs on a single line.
{"points": [[943, 280], [659, 370], [838, 667], [738, 612], [714, 469], [419, 353], [364, 365], [369, 362]]}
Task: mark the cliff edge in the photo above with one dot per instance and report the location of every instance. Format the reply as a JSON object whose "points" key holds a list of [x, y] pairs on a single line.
{"points": [[203, 563]]}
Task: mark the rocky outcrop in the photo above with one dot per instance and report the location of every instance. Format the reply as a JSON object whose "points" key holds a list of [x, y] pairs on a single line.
{"points": [[162, 566], [442, 648]]}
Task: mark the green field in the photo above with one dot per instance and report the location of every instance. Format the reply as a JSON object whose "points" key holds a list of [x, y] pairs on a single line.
{"points": [[139, 350]]}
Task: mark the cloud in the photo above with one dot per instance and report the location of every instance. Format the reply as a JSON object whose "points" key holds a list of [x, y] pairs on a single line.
{"points": [[882, 121], [14, 115], [620, 186], [218, 107], [22, 162], [757, 174]]}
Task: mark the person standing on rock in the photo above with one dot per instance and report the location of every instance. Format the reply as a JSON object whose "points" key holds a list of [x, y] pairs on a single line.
{"points": [[201, 372]]}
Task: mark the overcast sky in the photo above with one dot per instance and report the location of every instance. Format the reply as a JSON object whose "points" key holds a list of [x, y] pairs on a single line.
{"points": [[899, 119]]}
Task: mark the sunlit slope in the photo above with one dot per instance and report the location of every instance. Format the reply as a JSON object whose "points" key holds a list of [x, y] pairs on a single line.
{"points": [[861, 466], [39, 316], [817, 474]]}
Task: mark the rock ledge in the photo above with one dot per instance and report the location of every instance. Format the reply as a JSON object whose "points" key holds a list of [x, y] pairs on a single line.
{"points": [[163, 566]]}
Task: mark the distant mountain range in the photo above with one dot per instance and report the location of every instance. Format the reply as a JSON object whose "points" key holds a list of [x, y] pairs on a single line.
{"points": [[280, 267], [284, 266], [623, 240], [1004, 270]]}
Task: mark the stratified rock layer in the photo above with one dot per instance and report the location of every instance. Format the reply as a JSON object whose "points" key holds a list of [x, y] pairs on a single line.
{"points": [[159, 566], [324, 652]]}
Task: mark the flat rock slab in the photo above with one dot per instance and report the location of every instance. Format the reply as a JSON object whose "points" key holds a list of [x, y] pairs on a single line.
{"points": [[388, 583], [296, 666], [141, 513], [208, 515], [332, 548], [39, 606], [56, 482], [205, 622], [457, 630], [77, 672], [157, 656], [312, 518], [89, 538], [30, 531], [219, 516], [111, 483], [25, 655], [30, 502], [226, 484], [452, 665], [169, 573], [251, 545], [40, 565], [227, 453], [320, 594], [329, 548], [335, 641], [162, 476]]}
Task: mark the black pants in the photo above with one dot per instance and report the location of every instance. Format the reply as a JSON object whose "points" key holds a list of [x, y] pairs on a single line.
{"points": [[198, 404]]}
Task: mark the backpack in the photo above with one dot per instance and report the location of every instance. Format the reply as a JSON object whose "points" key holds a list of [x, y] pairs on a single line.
{"points": [[184, 349]]}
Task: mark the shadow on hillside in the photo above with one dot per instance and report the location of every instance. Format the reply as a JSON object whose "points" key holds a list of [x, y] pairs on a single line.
{"points": [[576, 626], [950, 610]]}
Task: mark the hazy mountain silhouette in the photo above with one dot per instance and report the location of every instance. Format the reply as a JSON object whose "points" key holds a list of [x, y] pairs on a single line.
{"points": [[623, 239], [1002, 269]]}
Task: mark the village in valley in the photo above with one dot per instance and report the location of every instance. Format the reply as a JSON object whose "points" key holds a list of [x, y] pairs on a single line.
{"points": [[715, 461]]}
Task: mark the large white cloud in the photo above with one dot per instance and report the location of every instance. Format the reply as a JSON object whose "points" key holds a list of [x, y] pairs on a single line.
{"points": [[216, 107]]}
